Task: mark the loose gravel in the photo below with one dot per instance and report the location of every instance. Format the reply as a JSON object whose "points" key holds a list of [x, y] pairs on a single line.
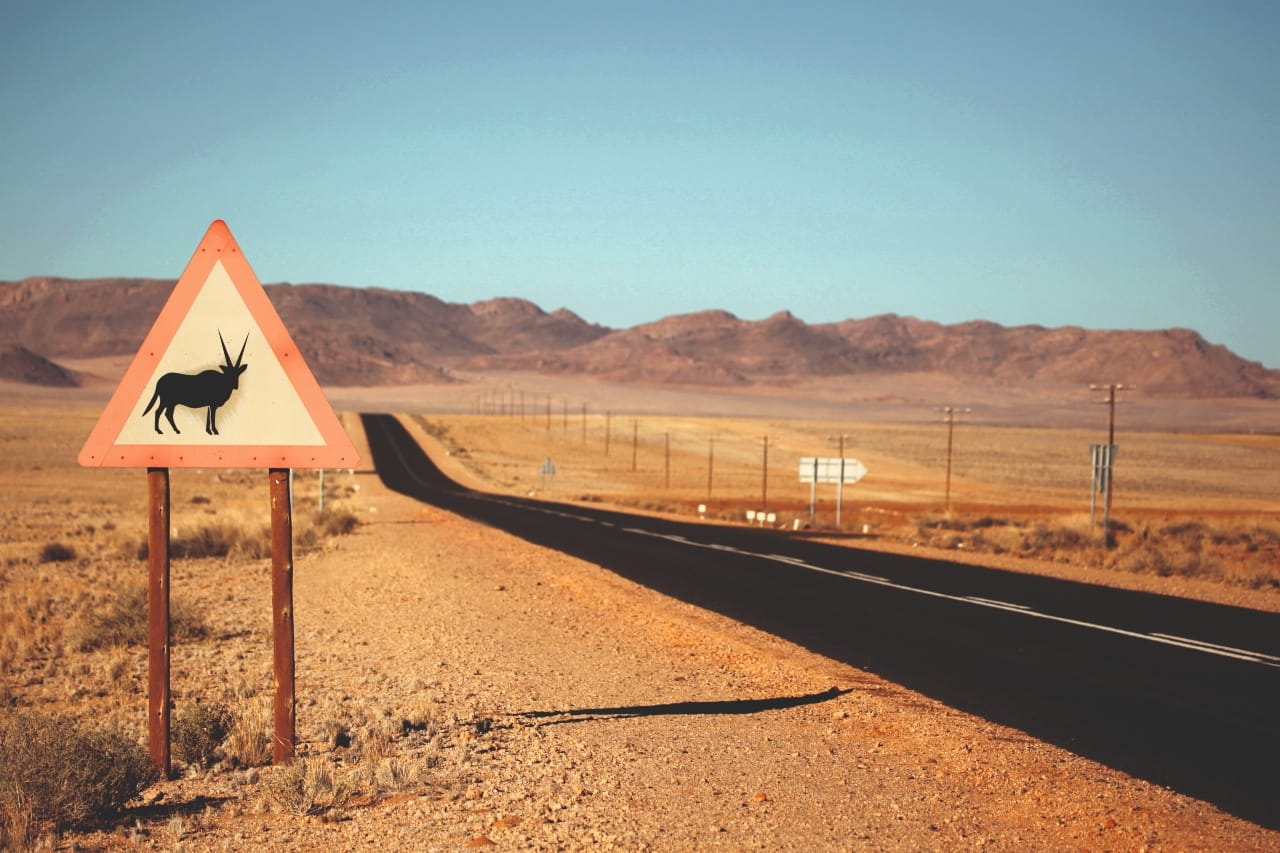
{"points": [[465, 689]]}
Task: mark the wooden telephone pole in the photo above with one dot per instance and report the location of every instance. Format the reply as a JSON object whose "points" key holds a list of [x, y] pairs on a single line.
{"points": [[949, 418], [1110, 401]]}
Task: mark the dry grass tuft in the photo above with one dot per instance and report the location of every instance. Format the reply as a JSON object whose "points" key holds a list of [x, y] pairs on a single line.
{"points": [[333, 523], [33, 617], [238, 540], [325, 525], [309, 786], [226, 539], [249, 740], [124, 622]]}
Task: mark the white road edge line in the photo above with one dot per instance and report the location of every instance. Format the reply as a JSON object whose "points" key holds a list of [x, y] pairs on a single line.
{"points": [[1008, 607]]}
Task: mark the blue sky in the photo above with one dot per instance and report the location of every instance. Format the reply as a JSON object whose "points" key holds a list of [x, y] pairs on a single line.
{"points": [[1111, 164]]}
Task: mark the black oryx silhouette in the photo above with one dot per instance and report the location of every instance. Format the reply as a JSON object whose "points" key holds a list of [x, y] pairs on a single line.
{"points": [[211, 388]]}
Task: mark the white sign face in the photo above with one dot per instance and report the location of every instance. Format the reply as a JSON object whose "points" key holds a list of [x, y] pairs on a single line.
{"points": [[822, 469], [218, 381], [263, 408]]}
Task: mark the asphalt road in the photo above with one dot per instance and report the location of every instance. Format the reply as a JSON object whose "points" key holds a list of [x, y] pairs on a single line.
{"points": [[1184, 694]]}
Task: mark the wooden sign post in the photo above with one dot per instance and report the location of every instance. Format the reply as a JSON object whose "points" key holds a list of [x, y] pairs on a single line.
{"points": [[282, 614], [261, 409], [159, 632]]}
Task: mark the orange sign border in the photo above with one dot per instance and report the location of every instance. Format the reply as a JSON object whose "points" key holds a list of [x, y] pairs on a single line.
{"points": [[100, 450]]}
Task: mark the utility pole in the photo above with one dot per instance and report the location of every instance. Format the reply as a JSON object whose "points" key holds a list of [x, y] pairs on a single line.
{"points": [[764, 476], [667, 465], [839, 483], [711, 463], [1110, 400], [949, 418]]}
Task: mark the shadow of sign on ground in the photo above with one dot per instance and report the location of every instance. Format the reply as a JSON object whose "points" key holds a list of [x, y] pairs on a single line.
{"points": [[1198, 723]]}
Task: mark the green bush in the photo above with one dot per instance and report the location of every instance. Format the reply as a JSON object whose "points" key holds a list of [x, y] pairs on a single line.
{"points": [[198, 731], [56, 774]]}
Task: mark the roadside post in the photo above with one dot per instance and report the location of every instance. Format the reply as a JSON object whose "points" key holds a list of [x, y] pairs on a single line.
{"points": [[839, 470], [1103, 457], [813, 489], [273, 416], [1106, 457], [949, 418], [158, 625]]}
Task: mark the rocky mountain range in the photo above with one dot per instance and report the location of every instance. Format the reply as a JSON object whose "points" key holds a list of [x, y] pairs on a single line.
{"points": [[372, 336]]}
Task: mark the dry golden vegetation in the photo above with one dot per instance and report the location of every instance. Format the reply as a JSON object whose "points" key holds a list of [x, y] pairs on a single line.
{"points": [[1195, 505], [73, 614], [72, 607], [72, 574]]}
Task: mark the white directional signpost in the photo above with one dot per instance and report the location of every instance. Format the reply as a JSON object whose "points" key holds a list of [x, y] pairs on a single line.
{"points": [[187, 402], [824, 469]]}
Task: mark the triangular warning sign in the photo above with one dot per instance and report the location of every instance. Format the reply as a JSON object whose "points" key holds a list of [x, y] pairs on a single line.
{"points": [[218, 382]]}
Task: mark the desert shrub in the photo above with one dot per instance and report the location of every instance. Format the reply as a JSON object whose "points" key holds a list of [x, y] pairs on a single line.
{"points": [[336, 522], [1167, 562], [198, 731], [56, 774], [1190, 535], [1044, 537], [124, 623], [309, 786], [57, 552], [1258, 577], [251, 542], [223, 539], [934, 523]]}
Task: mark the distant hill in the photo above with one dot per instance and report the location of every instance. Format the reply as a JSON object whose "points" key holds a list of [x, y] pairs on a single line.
{"points": [[716, 348], [348, 336], [19, 364], [372, 336]]}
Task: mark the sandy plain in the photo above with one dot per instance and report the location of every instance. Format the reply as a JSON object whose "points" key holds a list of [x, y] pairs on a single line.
{"points": [[521, 699]]}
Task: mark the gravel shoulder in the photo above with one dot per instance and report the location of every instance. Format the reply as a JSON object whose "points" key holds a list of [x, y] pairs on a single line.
{"points": [[533, 701]]}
